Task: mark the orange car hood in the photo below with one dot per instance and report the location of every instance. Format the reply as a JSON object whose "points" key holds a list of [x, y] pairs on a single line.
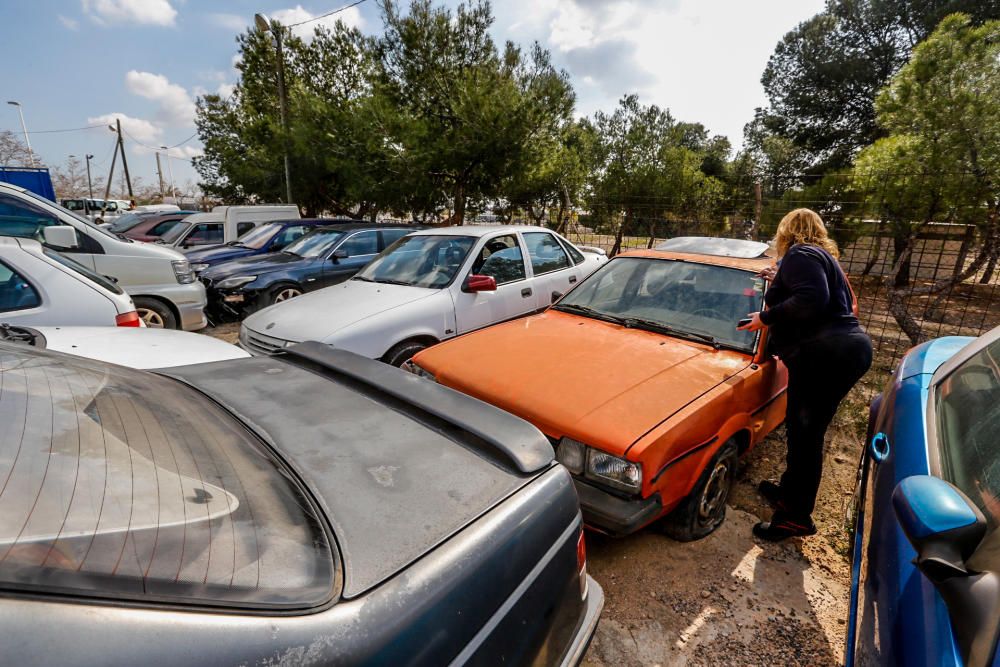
{"points": [[593, 381]]}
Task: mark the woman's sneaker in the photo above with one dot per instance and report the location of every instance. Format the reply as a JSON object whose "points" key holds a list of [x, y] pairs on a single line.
{"points": [[781, 527]]}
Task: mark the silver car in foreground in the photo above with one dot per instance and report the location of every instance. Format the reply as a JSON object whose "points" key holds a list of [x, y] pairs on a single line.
{"points": [[309, 508]]}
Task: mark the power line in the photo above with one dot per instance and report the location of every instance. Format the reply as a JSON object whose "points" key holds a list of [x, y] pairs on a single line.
{"points": [[323, 16], [159, 148], [68, 129]]}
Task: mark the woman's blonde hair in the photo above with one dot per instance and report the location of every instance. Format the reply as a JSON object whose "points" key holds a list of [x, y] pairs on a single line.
{"points": [[803, 225]]}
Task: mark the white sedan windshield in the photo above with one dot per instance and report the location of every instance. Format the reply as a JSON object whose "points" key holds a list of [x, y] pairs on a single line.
{"points": [[420, 261]]}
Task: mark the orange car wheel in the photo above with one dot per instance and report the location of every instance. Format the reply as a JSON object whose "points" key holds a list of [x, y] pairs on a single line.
{"points": [[704, 509]]}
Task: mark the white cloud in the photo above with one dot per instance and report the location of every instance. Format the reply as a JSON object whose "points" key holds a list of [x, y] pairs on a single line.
{"points": [[702, 59], [186, 152], [143, 12], [175, 104], [225, 90], [231, 22], [137, 128], [69, 23], [351, 17]]}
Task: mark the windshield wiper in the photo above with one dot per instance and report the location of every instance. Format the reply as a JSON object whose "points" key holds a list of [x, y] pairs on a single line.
{"points": [[367, 280], [587, 311], [656, 327], [390, 281], [123, 237]]}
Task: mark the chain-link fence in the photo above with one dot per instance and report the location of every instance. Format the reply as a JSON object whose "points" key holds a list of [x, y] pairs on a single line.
{"points": [[914, 280]]}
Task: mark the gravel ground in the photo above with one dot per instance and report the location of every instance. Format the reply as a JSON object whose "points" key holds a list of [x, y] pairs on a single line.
{"points": [[729, 599]]}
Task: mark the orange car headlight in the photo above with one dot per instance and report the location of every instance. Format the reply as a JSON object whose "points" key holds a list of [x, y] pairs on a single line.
{"points": [[613, 471]]}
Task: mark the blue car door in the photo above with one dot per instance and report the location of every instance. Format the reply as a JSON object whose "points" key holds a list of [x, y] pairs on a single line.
{"points": [[900, 617], [360, 248]]}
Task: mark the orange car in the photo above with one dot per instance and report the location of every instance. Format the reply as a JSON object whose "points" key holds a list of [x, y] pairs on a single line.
{"points": [[640, 379]]}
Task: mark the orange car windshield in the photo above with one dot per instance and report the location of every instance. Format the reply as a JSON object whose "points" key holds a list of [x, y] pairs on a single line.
{"points": [[688, 298]]}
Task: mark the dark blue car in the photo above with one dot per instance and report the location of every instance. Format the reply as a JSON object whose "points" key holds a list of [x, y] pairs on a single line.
{"points": [[328, 255], [926, 558], [269, 237]]}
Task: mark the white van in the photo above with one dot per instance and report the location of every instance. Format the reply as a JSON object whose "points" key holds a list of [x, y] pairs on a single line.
{"points": [[98, 210], [160, 281], [224, 224]]}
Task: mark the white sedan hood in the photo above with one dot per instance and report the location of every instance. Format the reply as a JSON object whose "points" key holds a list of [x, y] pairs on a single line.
{"points": [[139, 347], [318, 315]]}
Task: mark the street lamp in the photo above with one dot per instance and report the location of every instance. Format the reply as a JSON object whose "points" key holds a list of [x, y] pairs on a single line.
{"points": [[264, 24], [90, 185], [170, 169], [24, 128]]}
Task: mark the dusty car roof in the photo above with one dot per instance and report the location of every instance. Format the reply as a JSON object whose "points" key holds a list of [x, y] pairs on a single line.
{"points": [[479, 230], [748, 264]]}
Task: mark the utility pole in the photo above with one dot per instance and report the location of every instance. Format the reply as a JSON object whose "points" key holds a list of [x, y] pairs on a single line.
{"points": [[159, 173], [170, 170], [24, 128], [121, 147], [90, 184], [267, 25], [111, 175]]}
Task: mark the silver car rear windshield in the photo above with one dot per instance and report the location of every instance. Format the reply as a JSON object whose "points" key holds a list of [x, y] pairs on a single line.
{"points": [[122, 484]]}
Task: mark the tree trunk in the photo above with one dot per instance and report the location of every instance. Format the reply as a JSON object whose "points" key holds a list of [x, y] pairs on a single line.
{"points": [[910, 327], [563, 210], [991, 267], [963, 250], [652, 234], [877, 254], [901, 251], [617, 247], [458, 217]]}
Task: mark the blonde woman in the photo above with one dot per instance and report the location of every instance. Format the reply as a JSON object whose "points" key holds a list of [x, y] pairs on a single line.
{"points": [[813, 330]]}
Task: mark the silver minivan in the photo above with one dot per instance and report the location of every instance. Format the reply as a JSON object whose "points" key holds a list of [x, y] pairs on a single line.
{"points": [[160, 281]]}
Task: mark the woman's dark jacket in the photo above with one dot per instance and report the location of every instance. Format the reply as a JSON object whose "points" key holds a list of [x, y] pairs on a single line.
{"points": [[808, 299]]}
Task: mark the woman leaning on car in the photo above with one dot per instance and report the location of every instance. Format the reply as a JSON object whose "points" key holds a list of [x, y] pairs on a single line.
{"points": [[813, 330]]}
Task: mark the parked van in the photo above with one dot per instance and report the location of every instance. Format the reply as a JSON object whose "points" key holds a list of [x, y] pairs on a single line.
{"points": [[224, 224], [163, 287], [94, 209]]}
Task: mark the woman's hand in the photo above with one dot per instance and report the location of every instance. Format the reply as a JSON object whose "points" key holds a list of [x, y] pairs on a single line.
{"points": [[754, 325], [768, 273]]}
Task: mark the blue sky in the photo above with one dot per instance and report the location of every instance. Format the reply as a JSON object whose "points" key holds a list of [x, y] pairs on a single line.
{"points": [[73, 63]]}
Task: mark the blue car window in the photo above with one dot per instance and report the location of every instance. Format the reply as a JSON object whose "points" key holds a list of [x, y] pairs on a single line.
{"points": [[362, 243], [968, 416], [289, 235], [15, 292]]}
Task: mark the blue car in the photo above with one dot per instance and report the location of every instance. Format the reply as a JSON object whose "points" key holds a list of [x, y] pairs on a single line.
{"points": [[270, 237], [328, 255], [926, 555]]}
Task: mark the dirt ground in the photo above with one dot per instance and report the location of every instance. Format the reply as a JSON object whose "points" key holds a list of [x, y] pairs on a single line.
{"points": [[730, 599]]}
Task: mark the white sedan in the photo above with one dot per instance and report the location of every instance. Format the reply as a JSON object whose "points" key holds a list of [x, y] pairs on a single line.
{"points": [[39, 286], [429, 286]]}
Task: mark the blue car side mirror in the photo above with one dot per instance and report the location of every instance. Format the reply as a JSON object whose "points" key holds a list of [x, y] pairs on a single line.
{"points": [[945, 528], [941, 523]]}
